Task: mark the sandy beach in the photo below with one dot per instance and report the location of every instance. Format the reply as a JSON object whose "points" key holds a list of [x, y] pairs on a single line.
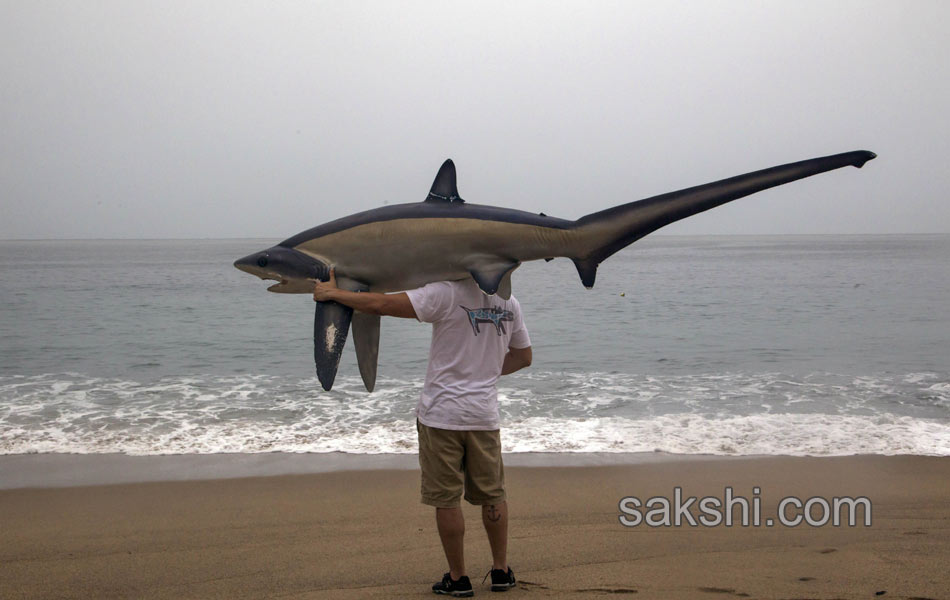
{"points": [[364, 534]]}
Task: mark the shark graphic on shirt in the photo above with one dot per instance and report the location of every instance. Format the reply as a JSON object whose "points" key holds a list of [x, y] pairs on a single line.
{"points": [[489, 314]]}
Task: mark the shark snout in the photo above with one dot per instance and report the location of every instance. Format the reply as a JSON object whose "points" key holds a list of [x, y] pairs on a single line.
{"points": [[254, 264], [294, 272]]}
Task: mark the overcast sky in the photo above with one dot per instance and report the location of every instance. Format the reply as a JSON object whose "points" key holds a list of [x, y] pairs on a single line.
{"points": [[235, 119]]}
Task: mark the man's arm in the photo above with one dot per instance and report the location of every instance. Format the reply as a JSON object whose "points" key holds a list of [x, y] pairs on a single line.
{"points": [[516, 359], [391, 305]]}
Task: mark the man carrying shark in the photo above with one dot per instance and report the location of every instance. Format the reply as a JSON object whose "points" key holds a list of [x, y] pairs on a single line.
{"points": [[456, 259], [457, 414]]}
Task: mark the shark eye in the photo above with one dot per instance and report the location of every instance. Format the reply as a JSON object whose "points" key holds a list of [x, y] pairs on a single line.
{"points": [[262, 261]]}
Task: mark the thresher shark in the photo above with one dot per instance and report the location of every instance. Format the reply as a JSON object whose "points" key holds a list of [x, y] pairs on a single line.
{"points": [[443, 238]]}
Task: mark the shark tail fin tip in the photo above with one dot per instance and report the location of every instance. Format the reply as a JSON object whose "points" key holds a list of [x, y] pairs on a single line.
{"points": [[866, 155]]}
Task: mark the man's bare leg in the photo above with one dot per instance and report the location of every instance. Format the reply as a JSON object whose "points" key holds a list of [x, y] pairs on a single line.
{"points": [[495, 518], [451, 524]]}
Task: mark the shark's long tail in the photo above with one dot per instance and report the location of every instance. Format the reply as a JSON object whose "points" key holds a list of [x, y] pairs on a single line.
{"points": [[608, 231]]}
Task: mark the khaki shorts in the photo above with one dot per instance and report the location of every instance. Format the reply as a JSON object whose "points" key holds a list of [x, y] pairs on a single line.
{"points": [[452, 460]]}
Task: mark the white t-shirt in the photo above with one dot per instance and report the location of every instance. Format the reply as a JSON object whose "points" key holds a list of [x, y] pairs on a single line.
{"points": [[471, 332]]}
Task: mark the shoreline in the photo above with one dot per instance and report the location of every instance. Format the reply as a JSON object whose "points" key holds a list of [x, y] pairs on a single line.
{"points": [[63, 470], [364, 534], [54, 470]]}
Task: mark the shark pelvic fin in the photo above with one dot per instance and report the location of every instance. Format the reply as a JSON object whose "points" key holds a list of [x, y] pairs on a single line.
{"points": [[495, 279], [587, 269], [444, 188], [504, 288], [331, 324], [366, 339]]}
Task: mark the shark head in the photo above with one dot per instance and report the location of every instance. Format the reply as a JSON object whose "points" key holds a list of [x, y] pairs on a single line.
{"points": [[294, 272]]}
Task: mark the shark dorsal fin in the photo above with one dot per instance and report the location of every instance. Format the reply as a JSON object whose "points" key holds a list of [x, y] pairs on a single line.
{"points": [[444, 188]]}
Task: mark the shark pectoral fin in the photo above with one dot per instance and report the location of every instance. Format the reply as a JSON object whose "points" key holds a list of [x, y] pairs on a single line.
{"points": [[587, 269], [445, 188], [331, 324], [366, 339], [495, 278]]}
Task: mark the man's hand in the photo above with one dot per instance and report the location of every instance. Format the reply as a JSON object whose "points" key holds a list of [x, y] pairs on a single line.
{"points": [[323, 290], [516, 359], [395, 305]]}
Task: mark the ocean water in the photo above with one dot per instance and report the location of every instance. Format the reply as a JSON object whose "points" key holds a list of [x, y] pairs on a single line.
{"points": [[728, 345]]}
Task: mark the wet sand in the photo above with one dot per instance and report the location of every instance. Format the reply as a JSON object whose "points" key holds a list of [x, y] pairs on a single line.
{"points": [[363, 534]]}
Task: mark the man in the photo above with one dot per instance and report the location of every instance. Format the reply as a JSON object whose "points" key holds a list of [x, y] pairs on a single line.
{"points": [[475, 339]]}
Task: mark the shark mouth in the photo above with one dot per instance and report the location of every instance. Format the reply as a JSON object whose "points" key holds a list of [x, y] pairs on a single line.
{"points": [[290, 286], [281, 281]]}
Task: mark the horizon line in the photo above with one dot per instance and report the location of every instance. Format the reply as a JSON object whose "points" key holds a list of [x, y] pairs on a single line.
{"points": [[670, 235]]}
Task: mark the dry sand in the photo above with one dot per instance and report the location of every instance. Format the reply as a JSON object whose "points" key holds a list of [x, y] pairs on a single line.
{"points": [[363, 534]]}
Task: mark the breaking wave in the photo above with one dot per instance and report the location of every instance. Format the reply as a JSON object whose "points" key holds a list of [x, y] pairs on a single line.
{"points": [[721, 414]]}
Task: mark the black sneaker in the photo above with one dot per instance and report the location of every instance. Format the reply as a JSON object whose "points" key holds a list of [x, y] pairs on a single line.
{"points": [[501, 581], [460, 589]]}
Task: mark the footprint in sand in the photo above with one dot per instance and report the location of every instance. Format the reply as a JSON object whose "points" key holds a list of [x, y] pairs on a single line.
{"points": [[532, 584]]}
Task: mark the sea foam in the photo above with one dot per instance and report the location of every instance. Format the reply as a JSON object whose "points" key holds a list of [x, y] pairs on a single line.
{"points": [[719, 414]]}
